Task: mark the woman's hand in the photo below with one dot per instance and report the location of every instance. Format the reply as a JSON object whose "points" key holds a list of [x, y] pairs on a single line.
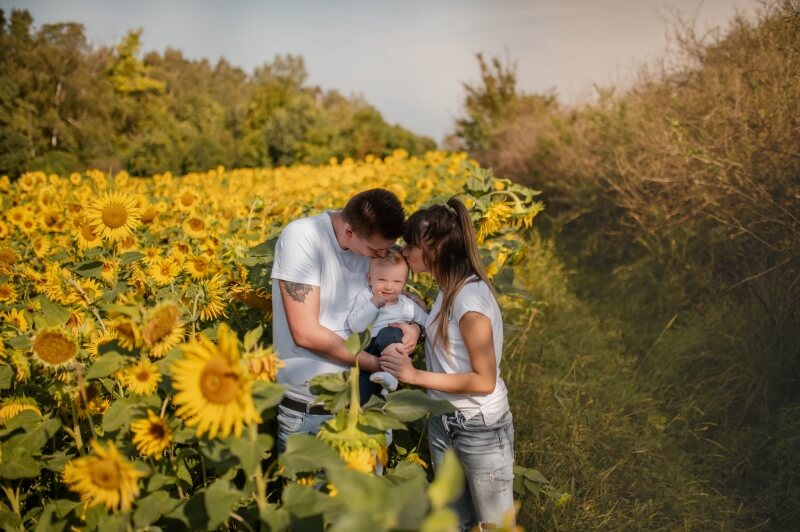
{"points": [[394, 360]]}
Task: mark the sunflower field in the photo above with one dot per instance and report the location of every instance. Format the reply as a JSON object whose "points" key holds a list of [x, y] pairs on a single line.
{"points": [[136, 368]]}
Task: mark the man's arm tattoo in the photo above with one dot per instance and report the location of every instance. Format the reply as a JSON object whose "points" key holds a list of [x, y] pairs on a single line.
{"points": [[297, 291]]}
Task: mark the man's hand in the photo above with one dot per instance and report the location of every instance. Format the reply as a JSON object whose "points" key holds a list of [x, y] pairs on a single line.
{"points": [[411, 332], [395, 361]]}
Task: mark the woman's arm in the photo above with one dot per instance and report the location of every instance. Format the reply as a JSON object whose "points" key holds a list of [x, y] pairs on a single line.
{"points": [[476, 329]]}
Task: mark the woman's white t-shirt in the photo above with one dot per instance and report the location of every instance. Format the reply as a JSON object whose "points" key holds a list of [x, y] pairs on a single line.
{"points": [[477, 297]]}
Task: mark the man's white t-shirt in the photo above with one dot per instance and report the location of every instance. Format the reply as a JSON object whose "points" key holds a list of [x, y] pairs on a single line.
{"points": [[307, 252], [473, 297], [365, 312]]}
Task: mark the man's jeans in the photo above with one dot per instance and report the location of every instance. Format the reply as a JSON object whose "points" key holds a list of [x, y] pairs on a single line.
{"points": [[487, 454], [294, 422]]}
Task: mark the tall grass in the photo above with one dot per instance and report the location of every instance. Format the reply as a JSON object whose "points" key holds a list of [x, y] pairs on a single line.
{"points": [[583, 419], [668, 367]]}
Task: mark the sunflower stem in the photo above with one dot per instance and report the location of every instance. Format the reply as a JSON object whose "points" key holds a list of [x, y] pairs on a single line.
{"points": [[84, 397], [76, 429], [13, 499], [261, 486], [355, 402], [203, 469], [194, 313], [164, 406], [237, 517]]}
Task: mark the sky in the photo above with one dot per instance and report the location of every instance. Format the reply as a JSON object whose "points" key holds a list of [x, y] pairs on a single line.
{"points": [[408, 58]]}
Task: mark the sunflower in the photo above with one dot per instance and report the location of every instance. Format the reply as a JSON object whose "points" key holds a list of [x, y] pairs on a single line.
{"points": [[16, 215], [197, 266], [75, 178], [76, 320], [87, 236], [41, 246], [129, 243], [8, 293], [4, 230], [179, 250], [149, 214], [54, 347], [187, 198], [114, 215], [16, 319], [152, 435], [93, 405], [213, 392], [28, 225], [127, 332], [151, 254], [8, 256], [164, 271], [51, 220], [162, 328], [211, 302], [194, 227], [54, 284], [416, 458], [360, 459], [99, 339], [143, 378], [27, 181], [15, 405], [495, 217], [110, 271], [263, 364], [105, 477]]}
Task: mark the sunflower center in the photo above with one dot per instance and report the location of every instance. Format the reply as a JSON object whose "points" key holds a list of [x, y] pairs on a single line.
{"points": [[218, 382], [114, 215], [200, 265], [161, 324], [8, 256], [104, 474], [50, 219], [88, 232], [196, 224], [187, 199], [157, 430], [148, 215], [54, 348], [143, 375]]}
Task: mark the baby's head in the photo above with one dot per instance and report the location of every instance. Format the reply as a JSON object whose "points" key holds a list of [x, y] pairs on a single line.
{"points": [[388, 275]]}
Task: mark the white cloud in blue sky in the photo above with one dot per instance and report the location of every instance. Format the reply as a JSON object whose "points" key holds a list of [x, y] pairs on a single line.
{"points": [[408, 58]]}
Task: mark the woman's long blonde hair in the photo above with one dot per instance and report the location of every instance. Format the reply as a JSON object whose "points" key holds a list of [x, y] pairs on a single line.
{"points": [[445, 235]]}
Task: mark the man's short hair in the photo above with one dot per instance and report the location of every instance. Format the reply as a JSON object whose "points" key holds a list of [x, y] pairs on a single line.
{"points": [[375, 211]]}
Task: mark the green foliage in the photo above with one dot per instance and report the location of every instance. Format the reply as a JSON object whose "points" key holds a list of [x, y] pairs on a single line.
{"points": [[66, 107], [675, 202]]}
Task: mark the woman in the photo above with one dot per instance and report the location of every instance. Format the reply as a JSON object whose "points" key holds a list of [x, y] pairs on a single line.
{"points": [[462, 352]]}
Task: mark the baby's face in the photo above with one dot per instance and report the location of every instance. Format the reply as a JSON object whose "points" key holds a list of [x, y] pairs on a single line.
{"points": [[388, 279]]}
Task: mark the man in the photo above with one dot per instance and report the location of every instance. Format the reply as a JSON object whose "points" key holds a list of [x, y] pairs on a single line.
{"points": [[320, 265]]}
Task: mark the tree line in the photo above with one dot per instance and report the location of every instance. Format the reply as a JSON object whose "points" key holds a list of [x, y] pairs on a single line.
{"points": [[66, 105]]}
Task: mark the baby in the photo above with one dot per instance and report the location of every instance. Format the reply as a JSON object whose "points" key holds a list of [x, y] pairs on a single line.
{"points": [[382, 303]]}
